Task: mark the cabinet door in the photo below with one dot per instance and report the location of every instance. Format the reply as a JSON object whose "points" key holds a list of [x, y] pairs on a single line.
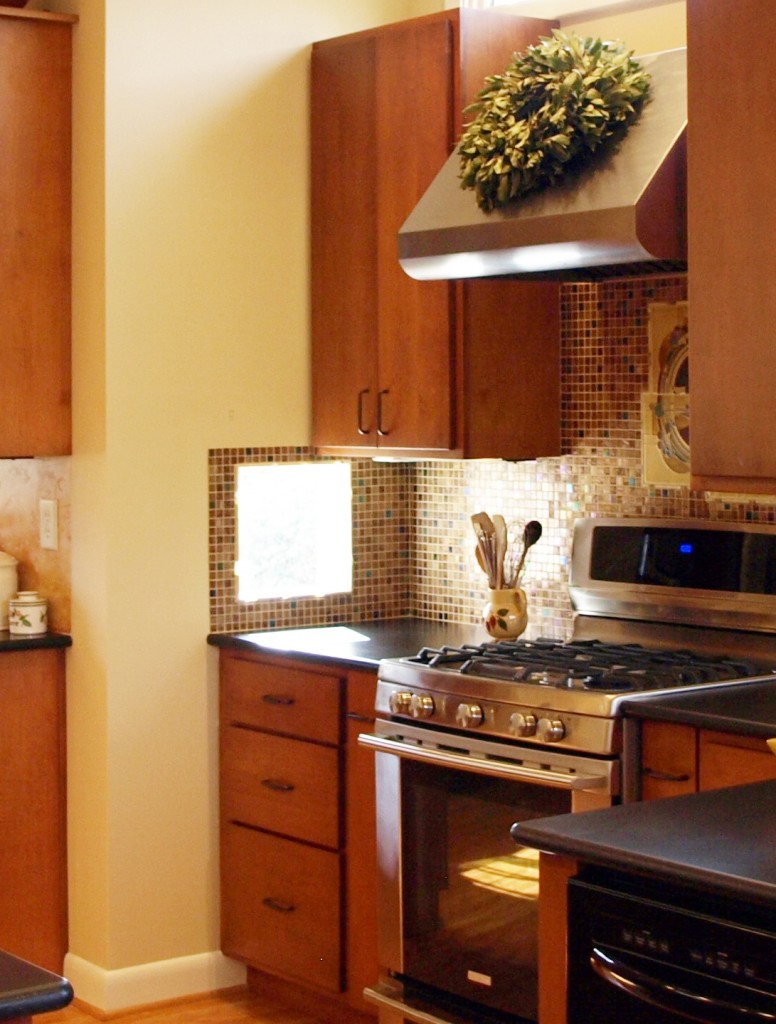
{"points": [[668, 759], [33, 858], [35, 236], [344, 241], [731, 218], [727, 760], [415, 128]]}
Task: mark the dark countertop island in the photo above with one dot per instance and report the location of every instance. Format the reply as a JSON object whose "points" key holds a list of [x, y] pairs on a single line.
{"points": [[355, 644], [26, 990], [720, 841], [748, 709]]}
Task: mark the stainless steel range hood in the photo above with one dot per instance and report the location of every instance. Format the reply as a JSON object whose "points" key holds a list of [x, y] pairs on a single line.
{"points": [[623, 213]]}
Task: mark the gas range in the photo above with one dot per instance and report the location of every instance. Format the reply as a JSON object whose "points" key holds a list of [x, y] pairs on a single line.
{"points": [[661, 605]]}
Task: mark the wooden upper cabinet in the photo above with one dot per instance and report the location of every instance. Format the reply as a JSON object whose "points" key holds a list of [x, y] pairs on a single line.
{"points": [[35, 147], [400, 365], [732, 257]]}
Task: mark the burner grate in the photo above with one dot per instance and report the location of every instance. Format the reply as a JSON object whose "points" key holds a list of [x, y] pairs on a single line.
{"points": [[585, 664]]}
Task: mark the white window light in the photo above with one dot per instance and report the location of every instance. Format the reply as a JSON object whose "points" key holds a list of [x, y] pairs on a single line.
{"points": [[294, 530]]}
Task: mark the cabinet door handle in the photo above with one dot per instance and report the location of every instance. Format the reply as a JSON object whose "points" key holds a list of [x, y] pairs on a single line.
{"points": [[280, 905], [361, 428], [278, 785], [666, 776], [278, 698], [380, 429]]}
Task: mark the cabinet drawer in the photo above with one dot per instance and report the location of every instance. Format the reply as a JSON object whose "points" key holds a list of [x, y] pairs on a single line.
{"points": [[730, 760], [280, 906], [286, 700], [283, 785], [668, 760]]}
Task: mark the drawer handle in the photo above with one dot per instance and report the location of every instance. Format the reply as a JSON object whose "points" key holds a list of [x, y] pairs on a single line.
{"points": [[278, 785], [280, 905], [362, 427], [278, 698], [666, 776]]}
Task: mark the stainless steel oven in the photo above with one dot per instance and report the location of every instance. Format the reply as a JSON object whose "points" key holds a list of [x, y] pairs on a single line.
{"points": [[470, 740], [457, 900]]}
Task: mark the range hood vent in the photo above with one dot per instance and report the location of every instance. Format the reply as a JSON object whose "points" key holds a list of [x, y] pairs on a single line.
{"points": [[624, 213]]}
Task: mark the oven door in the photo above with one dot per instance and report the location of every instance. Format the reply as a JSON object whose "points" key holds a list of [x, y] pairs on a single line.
{"points": [[458, 901]]}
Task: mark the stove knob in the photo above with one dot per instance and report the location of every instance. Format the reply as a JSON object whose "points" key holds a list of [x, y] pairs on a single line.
{"points": [[399, 702], [469, 716], [550, 730], [421, 705], [522, 725]]}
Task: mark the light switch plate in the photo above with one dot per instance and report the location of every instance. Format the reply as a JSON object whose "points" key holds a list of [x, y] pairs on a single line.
{"points": [[49, 524]]}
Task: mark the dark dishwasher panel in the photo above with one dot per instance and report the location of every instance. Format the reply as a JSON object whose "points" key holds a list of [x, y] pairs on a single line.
{"points": [[651, 954]]}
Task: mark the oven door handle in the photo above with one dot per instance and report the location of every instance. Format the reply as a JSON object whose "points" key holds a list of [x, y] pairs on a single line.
{"points": [[672, 997], [482, 765]]}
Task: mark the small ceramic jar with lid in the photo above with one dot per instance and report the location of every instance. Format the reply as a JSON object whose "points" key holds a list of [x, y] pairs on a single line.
{"points": [[27, 614]]}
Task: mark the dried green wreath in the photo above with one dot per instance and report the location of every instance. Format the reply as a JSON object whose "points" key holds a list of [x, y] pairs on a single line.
{"points": [[552, 107]]}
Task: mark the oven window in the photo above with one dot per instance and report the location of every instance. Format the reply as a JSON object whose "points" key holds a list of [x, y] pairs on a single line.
{"points": [[470, 894]]}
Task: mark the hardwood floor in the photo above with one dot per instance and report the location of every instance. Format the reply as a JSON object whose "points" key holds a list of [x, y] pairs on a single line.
{"points": [[236, 1007]]}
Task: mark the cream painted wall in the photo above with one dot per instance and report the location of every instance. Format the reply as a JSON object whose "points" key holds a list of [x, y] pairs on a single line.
{"points": [[648, 30], [190, 332]]}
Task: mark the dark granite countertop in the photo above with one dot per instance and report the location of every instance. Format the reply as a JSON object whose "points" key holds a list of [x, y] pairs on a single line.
{"points": [[33, 643], [354, 644], [722, 840], [748, 709], [26, 989]]}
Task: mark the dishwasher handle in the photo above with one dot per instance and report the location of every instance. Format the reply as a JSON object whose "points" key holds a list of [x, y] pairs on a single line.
{"points": [[674, 997], [501, 769]]}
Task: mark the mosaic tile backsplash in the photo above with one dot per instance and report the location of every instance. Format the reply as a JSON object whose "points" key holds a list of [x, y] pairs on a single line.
{"points": [[413, 539]]}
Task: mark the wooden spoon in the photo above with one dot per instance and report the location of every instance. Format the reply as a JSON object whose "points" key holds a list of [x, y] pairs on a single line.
{"points": [[500, 533]]}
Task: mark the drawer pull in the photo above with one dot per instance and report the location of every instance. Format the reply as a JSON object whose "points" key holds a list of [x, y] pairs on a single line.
{"points": [[666, 776], [278, 698], [278, 785], [280, 905]]}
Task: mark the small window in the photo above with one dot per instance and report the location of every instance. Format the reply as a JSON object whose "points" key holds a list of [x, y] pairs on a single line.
{"points": [[294, 530]]}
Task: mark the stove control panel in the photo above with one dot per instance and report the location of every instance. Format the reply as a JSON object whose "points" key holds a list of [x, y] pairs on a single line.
{"points": [[517, 722]]}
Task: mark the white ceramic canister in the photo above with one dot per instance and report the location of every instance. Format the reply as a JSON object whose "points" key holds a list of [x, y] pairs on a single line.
{"points": [[9, 584], [27, 614]]}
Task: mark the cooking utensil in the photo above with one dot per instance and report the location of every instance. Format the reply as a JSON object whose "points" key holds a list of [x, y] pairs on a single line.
{"points": [[531, 533], [485, 531], [500, 538]]}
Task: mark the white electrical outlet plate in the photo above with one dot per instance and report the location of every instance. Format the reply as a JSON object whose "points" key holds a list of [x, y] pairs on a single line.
{"points": [[49, 524]]}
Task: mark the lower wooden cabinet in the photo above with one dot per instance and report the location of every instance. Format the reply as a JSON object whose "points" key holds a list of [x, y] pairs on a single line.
{"points": [[33, 852], [297, 817]]}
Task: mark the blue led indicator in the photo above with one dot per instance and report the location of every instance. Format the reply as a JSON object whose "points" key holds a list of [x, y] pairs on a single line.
{"points": [[685, 549]]}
